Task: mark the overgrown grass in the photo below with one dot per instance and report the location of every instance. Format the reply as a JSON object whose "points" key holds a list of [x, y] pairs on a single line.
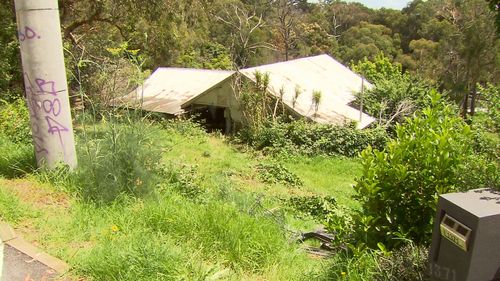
{"points": [[173, 238], [16, 159], [212, 217]]}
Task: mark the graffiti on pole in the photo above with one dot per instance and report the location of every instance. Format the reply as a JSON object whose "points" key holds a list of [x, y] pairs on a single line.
{"points": [[45, 82], [45, 106]]}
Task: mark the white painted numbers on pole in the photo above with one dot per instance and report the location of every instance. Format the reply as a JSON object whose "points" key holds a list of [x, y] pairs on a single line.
{"points": [[45, 81]]}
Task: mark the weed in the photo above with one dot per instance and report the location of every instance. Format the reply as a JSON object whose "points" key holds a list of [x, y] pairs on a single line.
{"points": [[184, 180], [408, 263], [122, 159], [275, 172], [218, 228]]}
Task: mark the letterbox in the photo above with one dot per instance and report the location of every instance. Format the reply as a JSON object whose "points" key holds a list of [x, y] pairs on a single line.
{"points": [[466, 237]]}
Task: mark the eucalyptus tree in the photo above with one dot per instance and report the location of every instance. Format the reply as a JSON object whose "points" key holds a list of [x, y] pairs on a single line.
{"points": [[247, 31]]}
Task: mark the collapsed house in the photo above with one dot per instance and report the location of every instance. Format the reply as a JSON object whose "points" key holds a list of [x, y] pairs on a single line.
{"points": [[211, 93]]}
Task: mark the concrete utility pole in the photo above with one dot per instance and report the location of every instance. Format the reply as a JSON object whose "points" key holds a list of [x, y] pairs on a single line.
{"points": [[45, 82]]}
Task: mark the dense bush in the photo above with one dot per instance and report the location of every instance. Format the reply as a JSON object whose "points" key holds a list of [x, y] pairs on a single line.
{"points": [[400, 185], [14, 121], [116, 159], [302, 137]]}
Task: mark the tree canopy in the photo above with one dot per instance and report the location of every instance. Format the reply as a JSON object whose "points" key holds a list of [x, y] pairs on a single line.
{"points": [[453, 44]]}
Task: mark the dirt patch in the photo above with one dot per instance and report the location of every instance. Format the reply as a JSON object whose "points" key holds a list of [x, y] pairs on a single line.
{"points": [[36, 194]]}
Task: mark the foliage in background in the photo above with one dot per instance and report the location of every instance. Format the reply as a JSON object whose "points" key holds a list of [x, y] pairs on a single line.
{"points": [[100, 80], [17, 152], [208, 56], [368, 40], [306, 138], [395, 94], [400, 185], [490, 101], [10, 74], [14, 121]]}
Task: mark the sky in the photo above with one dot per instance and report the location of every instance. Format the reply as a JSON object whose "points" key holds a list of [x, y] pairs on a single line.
{"points": [[376, 4], [394, 4]]}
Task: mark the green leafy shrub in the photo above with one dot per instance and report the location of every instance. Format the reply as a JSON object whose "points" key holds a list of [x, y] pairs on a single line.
{"points": [[340, 221], [399, 187], [275, 172], [483, 167], [301, 137], [14, 121]]}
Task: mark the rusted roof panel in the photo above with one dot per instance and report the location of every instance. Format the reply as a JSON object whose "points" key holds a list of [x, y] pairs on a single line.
{"points": [[167, 89]]}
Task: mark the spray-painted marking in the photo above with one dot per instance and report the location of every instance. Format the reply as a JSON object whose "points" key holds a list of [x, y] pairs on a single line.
{"points": [[55, 126], [27, 34], [46, 87], [47, 108]]}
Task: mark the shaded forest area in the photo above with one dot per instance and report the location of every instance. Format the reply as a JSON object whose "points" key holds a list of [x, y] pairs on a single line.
{"points": [[450, 44]]}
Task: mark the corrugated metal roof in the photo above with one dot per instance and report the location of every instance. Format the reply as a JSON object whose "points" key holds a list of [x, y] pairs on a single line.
{"points": [[336, 83], [167, 89]]}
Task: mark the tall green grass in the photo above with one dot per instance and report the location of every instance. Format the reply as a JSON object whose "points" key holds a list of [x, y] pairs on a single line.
{"points": [[16, 159], [173, 238], [116, 159]]}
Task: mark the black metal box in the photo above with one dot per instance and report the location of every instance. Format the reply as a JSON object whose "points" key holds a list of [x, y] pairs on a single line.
{"points": [[466, 237]]}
